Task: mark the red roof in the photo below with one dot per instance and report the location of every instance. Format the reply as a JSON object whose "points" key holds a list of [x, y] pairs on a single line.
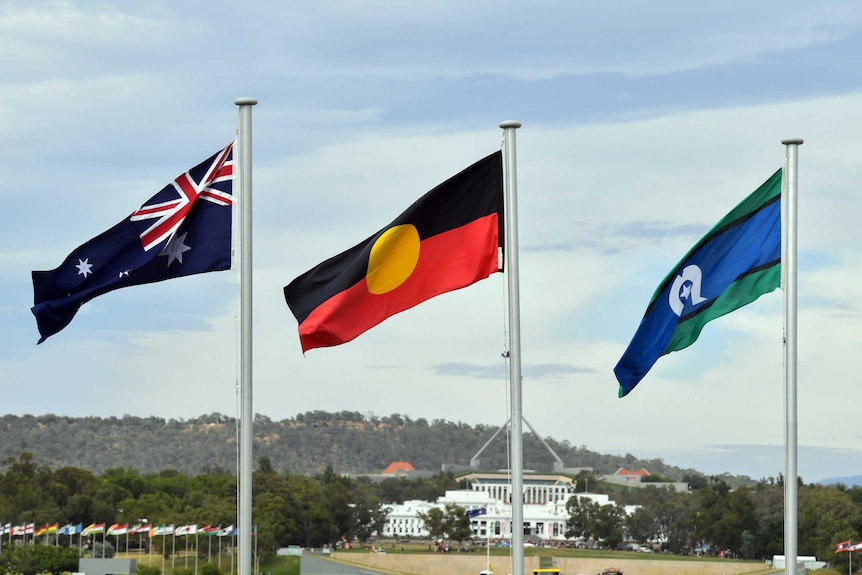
{"points": [[398, 468], [623, 471]]}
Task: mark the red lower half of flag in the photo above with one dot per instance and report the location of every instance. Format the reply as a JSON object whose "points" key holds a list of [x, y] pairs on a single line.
{"points": [[447, 261]]}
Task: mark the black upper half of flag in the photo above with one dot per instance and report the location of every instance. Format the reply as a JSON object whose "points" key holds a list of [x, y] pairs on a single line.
{"points": [[184, 229], [474, 193]]}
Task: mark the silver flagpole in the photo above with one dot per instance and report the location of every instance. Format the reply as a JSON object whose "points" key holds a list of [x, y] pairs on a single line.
{"points": [[511, 249], [791, 488], [246, 438]]}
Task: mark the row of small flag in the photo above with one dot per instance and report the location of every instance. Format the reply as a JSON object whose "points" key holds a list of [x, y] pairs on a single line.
{"points": [[845, 547], [115, 529]]}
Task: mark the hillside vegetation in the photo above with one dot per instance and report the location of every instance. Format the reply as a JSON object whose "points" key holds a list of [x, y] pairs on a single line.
{"points": [[348, 442]]}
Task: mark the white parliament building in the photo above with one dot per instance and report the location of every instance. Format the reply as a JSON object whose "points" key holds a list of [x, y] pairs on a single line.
{"points": [[545, 514]]}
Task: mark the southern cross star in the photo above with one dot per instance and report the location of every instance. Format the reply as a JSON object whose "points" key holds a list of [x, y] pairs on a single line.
{"points": [[175, 248], [84, 266]]}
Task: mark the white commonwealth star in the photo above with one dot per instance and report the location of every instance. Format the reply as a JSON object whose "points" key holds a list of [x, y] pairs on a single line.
{"points": [[175, 248], [84, 266]]}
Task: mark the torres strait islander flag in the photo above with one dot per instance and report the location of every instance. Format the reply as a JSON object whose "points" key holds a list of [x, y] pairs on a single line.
{"points": [[448, 239], [737, 261]]}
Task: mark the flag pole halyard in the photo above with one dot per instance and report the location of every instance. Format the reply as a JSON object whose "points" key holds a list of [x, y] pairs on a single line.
{"points": [[511, 249], [791, 171], [246, 433]]}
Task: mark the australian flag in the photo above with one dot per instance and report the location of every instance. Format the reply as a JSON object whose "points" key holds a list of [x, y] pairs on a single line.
{"points": [[184, 229], [471, 513]]}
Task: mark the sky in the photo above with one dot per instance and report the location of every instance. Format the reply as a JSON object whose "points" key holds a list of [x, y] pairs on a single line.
{"points": [[643, 125]]}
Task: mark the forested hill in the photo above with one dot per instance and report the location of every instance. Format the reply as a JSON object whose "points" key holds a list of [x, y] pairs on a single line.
{"points": [[349, 442]]}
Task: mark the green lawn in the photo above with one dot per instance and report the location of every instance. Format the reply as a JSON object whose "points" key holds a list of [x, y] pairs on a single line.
{"points": [[281, 566]]}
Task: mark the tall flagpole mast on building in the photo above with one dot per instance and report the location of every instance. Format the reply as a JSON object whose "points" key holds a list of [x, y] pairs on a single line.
{"points": [[246, 432], [511, 250], [790, 174]]}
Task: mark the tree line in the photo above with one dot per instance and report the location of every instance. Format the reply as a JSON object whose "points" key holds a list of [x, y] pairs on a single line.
{"points": [[322, 508], [288, 508], [746, 522], [308, 443]]}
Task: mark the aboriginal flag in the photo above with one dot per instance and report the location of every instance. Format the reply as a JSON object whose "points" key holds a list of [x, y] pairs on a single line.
{"points": [[448, 239]]}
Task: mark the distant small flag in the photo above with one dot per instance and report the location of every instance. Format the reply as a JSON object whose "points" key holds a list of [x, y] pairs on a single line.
{"points": [[162, 530], [93, 529], [52, 528], [5, 529], [842, 547], [29, 529], [855, 547], [471, 513], [186, 530], [229, 531]]}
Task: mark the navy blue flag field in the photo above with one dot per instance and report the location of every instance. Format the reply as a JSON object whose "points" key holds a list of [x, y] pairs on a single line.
{"points": [[184, 229], [735, 263], [471, 513]]}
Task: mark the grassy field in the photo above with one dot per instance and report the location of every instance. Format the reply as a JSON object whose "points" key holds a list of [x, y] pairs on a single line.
{"points": [[553, 556], [282, 565], [275, 566]]}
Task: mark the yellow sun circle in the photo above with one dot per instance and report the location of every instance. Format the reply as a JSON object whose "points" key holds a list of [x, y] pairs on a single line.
{"points": [[393, 258]]}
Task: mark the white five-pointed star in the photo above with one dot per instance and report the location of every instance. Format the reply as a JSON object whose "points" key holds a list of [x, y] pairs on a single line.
{"points": [[175, 248], [685, 292], [84, 266]]}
